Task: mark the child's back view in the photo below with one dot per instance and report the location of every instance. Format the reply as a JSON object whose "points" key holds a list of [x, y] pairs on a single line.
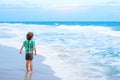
{"points": [[29, 45]]}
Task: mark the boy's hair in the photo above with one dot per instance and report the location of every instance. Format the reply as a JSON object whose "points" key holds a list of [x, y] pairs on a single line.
{"points": [[29, 35]]}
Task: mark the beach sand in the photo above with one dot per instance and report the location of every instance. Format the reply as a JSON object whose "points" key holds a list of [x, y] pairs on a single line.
{"points": [[12, 66]]}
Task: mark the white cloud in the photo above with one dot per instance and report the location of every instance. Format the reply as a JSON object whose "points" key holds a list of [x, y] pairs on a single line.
{"points": [[111, 3], [68, 7], [11, 2], [59, 4]]}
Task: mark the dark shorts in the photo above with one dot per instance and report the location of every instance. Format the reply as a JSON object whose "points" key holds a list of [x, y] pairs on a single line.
{"points": [[29, 56]]}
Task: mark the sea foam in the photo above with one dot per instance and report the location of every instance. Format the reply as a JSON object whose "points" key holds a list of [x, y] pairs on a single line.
{"points": [[73, 52]]}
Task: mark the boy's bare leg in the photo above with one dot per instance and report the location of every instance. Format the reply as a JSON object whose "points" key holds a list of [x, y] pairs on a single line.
{"points": [[31, 67], [27, 63]]}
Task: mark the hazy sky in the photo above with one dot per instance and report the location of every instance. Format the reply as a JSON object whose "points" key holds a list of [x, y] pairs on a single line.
{"points": [[59, 10]]}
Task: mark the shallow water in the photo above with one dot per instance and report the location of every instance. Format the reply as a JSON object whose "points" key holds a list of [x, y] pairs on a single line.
{"points": [[85, 53]]}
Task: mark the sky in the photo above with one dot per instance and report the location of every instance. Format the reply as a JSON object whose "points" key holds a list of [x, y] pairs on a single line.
{"points": [[59, 10]]}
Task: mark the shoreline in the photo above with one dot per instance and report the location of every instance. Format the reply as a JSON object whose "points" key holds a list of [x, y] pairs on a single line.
{"points": [[13, 66]]}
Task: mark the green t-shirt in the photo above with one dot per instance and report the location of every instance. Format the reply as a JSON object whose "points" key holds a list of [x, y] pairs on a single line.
{"points": [[29, 44]]}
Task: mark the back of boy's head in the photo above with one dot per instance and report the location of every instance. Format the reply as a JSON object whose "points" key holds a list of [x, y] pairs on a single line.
{"points": [[29, 35]]}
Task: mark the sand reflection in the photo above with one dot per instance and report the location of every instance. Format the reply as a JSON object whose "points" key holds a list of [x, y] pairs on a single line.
{"points": [[28, 76]]}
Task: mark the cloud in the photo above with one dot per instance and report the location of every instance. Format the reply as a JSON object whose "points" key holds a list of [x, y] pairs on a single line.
{"points": [[112, 3], [68, 7], [11, 2], [20, 3], [59, 4]]}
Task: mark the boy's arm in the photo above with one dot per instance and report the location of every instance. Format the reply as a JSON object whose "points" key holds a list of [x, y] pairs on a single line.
{"points": [[21, 49], [35, 50]]}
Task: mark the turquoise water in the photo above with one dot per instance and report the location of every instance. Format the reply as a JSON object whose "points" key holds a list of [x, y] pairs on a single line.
{"points": [[115, 25], [83, 50], [71, 23]]}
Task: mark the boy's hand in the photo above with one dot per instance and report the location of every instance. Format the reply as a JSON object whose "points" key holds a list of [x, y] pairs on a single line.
{"points": [[35, 50], [21, 49], [20, 52], [35, 54]]}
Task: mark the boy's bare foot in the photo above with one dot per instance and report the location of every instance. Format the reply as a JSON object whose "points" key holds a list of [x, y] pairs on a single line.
{"points": [[31, 71], [27, 70]]}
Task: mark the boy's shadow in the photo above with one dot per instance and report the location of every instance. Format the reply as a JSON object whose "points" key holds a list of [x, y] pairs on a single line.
{"points": [[28, 76]]}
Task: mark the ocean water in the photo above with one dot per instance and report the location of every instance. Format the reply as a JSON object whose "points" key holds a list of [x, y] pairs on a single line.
{"points": [[74, 50]]}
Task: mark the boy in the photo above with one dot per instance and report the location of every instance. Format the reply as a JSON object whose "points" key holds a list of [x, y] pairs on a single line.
{"points": [[29, 45]]}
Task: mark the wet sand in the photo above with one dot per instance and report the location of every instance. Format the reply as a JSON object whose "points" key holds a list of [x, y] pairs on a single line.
{"points": [[12, 66]]}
